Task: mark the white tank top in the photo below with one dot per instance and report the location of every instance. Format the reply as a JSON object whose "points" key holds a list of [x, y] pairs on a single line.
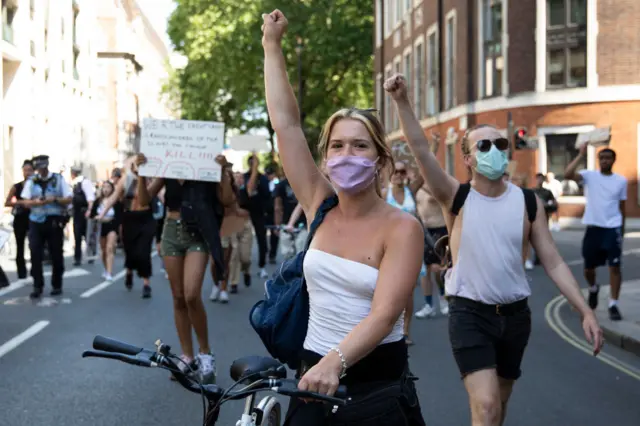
{"points": [[340, 295], [408, 205], [489, 268]]}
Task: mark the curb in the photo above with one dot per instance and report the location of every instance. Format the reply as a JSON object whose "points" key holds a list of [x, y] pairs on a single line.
{"points": [[621, 340]]}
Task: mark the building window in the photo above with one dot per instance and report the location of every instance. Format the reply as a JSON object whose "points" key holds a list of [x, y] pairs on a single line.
{"points": [[432, 74], [387, 105], [417, 76], [450, 62], [566, 43], [395, 121], [388, 18], [377, 22], [398, 11], [379, 94], [560, 152], [8, 14], [407, 70], [451, 159], [32, 8], [493, 57]]}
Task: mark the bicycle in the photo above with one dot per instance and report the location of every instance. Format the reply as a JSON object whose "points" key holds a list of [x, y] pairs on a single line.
{"points": [[255, 373], [290, 244]]}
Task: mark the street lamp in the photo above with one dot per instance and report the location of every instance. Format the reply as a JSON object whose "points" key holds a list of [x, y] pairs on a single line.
{"points": [[299, 48]]}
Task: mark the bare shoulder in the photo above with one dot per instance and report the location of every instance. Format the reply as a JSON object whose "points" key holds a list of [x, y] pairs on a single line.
{"points": [[401, 226]]}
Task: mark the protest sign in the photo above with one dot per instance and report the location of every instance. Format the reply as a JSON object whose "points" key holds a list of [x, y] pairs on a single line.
{"points": [[182, 149]]}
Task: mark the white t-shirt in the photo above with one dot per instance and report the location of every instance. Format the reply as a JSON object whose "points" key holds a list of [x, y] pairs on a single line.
{"points": [[603, 193]]}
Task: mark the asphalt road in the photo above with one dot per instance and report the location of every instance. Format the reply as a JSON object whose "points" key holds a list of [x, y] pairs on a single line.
{"points": [[44, 381]]}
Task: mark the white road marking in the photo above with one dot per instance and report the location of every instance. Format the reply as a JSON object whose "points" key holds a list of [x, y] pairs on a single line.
{"points": [[74, 273], [22, 337], [99, 287]]}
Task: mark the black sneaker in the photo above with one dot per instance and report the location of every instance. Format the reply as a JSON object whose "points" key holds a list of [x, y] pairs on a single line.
{"points": [[36, 293], [128, 281], [614, 313], [146, 292], [247, 280], [77, 263], [593, 298], [56, 292], [234, 289]]}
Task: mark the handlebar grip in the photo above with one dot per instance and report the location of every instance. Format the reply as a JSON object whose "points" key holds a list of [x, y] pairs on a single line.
{"points": [[106, 344], [120, 357]]}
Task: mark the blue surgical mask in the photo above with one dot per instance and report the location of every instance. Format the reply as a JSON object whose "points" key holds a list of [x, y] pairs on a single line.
{"points": [[492, 164]]}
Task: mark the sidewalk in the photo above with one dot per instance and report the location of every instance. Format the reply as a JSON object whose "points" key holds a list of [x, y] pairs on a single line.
{"points": [[625, 333]]}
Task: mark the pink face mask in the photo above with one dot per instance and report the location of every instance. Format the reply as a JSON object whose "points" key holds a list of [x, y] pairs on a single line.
{"points": [[351, 174]]}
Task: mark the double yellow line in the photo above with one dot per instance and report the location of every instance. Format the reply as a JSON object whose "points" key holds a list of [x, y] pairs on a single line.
{"points": [[552, 316]]}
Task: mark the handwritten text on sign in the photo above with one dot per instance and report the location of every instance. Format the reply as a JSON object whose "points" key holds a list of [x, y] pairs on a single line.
{"points": [[182, 149]]}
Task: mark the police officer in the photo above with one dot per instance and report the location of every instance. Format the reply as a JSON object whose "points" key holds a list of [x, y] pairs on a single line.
{"points": [[48, 196]]}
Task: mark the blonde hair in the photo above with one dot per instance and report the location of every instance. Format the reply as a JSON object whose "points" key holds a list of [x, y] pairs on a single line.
{"points": [[373, 126], [464, 144]]}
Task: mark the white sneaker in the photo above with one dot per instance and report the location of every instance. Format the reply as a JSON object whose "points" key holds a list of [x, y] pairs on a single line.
{"points": [[263, 274], [223, 297], [108, 277], [104, 274], [444, 306], [426, 311], [207, 368], [215, 293], [187, 366], [528, 265]]}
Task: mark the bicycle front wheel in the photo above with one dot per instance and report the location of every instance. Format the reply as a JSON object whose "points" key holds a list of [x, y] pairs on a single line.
{"points": [[271, 411]]}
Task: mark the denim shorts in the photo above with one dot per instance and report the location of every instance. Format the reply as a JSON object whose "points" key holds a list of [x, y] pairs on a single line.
{"points": [[178, 239]]}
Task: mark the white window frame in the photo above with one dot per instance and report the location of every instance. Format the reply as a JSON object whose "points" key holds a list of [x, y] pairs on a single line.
{"points": [[388, 18], [450, 71], [542, 154], [505, 50], [450, 158], [388, 110], [408, 74], [432, 31], [379, 37], [397, 68], [379, 93], [418, 85]]}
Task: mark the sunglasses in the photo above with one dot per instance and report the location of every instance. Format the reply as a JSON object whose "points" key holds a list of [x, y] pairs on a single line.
{"points": [[400, 172], [484, 145]]}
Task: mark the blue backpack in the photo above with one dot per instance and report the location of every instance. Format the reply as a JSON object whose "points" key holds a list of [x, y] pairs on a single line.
{"points": [[281, 319]]}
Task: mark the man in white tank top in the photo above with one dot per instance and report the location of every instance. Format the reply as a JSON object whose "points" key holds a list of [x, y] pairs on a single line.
{"points": [[489, 318]]}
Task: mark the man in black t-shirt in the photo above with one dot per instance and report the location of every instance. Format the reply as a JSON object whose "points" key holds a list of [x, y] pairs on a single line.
{"points": [[550, 206], [285, 202]]}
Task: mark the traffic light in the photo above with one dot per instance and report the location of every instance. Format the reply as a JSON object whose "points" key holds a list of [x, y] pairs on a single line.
{"points": [[520, 138]]}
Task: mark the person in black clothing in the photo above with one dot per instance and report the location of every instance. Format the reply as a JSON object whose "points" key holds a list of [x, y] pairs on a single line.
{"points": [[550, 206], [260, 200], [84, 194], [20, 217], [274, 235]]}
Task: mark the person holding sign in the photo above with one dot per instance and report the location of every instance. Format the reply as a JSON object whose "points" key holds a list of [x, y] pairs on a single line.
{"points": [[138, 225], [194, 213], [362, 264]]}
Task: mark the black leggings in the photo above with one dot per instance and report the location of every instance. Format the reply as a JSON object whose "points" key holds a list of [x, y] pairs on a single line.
{"points": [[138, 230]]}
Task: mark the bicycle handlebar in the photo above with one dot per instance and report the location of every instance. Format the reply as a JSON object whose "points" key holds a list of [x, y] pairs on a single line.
{"points": [[113, 349]]}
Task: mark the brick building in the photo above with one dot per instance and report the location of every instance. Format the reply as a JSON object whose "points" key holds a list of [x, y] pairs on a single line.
{"points": [[559, 68]]}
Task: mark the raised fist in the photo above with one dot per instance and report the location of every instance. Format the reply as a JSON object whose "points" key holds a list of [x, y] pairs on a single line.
{"points": [[396, 85], [273, 27]]}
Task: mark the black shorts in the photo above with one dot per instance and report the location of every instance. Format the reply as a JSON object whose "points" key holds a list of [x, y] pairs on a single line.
{"points": [[430, 257], [489, 336], [600, 246], [107, 227]]}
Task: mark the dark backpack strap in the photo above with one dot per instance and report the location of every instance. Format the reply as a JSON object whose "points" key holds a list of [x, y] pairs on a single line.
{"points": [[531, 203], [324, 208], [460, 198]]}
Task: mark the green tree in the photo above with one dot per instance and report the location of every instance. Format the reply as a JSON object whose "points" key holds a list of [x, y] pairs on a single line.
{"points": [[223, 79]]}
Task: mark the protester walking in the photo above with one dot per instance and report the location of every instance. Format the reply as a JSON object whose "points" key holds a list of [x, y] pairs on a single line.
{"points": [[361, 267], [20, 214], [84, 194], [604, 216], [491, 223], [109, 225]]}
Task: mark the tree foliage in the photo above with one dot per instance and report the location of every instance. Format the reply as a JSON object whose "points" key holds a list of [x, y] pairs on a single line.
{"points": [[222, 41]]}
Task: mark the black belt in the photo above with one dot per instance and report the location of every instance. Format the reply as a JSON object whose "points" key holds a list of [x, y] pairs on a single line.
{"points": [[505, 310]]}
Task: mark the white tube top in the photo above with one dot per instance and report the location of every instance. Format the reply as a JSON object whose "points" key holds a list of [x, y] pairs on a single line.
{"points": [[340, 295]]}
